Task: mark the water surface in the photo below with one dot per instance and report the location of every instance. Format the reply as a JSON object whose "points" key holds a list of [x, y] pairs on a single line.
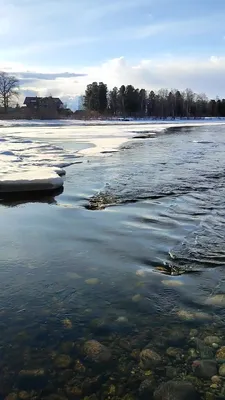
{"points": [[130, 255]]}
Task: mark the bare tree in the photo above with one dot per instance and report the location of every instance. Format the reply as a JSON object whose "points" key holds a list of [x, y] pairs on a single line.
{"points": [[9, 89]]}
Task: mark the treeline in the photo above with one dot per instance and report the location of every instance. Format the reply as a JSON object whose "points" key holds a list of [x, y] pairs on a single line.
{"points": [[128, 101]]}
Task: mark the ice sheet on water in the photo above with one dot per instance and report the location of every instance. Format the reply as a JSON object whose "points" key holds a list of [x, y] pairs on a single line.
{"points": [[18, 154], [33, 180], [28, 144]]}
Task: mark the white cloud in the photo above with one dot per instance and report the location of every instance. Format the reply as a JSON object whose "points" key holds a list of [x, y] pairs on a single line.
{"points": [[202, 75]]}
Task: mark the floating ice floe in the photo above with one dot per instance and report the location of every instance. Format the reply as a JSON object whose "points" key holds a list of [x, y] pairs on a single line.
{"points": [[33, 180]]}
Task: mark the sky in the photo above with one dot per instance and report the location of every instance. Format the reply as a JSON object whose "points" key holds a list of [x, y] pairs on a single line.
{"points": [[57, 47]]}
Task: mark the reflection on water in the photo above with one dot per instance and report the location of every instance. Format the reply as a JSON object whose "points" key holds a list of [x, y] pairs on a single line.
{"points": [[15, 199], [90, 305]]}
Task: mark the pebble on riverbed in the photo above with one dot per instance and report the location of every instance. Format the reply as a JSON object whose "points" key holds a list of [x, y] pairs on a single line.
{"points": [[204, 368], [193, 315], [136, 298], [222, 370], [63, 361], [210, 340], [92, 281], [220, 354], [176, 390], [147, 388], [67, 323], [32, 379], [217, 300], [149, 359], [172, 283], [96, 352], [174, 352]]}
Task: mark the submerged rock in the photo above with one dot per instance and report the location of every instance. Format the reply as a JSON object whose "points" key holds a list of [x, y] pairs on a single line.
{"points": [[222, 370], [67, 323], [176, 390], [91, 385], [217, 300], [147, 388], [172, 282], [32, 379], [204, 368], [63, 361], [149, 359], [193, 315], [174, 352], [24, 395], [96, 352], [216, 379], [220, 354], [92, 281], [11, 396], [122, 320], [171, 372], [55, 397], [192, 353], [141, 272], [206, 352], [176, 337], [193, 332], [74, 391], [210, 340], [73, 275], [136, 298]]}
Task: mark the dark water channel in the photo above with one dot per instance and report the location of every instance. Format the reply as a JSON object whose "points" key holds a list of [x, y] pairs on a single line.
{"points": [[116, 286]]}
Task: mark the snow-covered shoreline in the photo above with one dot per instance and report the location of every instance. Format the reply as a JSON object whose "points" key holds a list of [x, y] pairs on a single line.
{"points": [[31, 149]]}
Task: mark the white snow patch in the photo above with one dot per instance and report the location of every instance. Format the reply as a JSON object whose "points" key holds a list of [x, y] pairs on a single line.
{"points": [[33, 180], [33, 153]]}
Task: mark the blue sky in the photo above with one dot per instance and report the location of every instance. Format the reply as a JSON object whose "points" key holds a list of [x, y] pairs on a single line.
{"points": [[156, 43]]}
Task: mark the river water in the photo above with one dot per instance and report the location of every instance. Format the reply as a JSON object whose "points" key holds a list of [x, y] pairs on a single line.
{"points": [[131, 255]]}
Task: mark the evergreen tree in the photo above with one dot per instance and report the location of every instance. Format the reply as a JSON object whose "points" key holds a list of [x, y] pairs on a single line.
{"points": [[102, 97], [113, 101], [135, 102], [122, 100]]}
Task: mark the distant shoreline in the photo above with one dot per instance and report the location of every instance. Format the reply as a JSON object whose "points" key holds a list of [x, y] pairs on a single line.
{"points": [[9, 117]]}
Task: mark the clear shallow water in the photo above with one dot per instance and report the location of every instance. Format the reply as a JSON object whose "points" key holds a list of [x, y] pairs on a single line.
{"points": [[70, 274]]}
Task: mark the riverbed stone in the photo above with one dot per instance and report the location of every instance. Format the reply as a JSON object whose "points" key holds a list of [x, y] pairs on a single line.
{"points": [[136, 298], [193, 333], [176, 390], [149, 359], [204, 368], [210, 340], [220, 354], [192, 353], [32, 379], [206, 352], [23, 395], [147, 388], [171, 372], [11, 396], [172, 282], [174, 352], [210, 396], [63, 361], [176, 338], [222, 370], [216, 379], [96, 352], [217, 300], [92, 281]]}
